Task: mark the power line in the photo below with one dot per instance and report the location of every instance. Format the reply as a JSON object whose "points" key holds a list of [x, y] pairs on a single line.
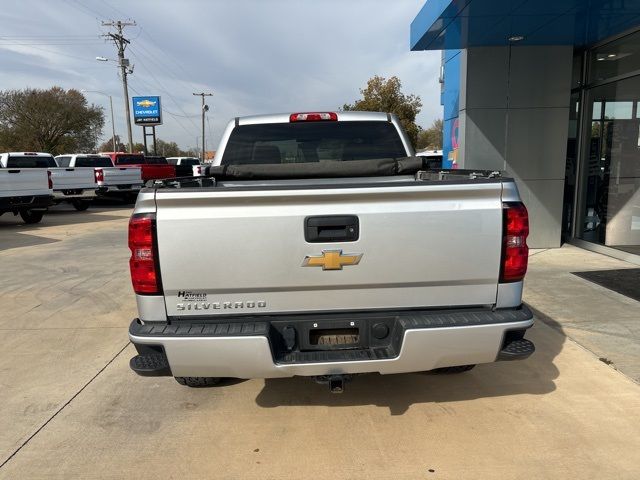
{"points": [[181, 68], [161, 85], [119, 12], [40, 49], [163, 110], [85, 9]]}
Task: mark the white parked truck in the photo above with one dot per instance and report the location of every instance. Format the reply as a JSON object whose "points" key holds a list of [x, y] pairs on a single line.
{"points": [[331, 251], [24, 191], [121, 182], [74, 185], [185, 166]]}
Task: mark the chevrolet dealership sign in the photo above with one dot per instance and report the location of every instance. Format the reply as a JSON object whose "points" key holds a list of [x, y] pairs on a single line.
{"points": [[147, 111]]}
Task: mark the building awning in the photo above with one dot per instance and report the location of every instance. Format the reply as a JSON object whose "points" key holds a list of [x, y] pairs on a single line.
{"points": [[454, 24]]}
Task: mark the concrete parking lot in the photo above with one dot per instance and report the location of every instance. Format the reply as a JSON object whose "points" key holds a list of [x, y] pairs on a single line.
{"points": [[71, 408]]}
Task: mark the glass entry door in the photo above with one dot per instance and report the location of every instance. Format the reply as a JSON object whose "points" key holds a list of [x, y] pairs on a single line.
{"points": [[611, 173]]}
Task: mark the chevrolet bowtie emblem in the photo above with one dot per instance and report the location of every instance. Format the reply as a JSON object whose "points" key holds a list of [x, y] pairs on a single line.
{"points": [[331, 260]]}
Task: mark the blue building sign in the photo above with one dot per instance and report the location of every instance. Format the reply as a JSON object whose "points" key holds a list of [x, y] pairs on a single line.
{"points": [[147, 111]]}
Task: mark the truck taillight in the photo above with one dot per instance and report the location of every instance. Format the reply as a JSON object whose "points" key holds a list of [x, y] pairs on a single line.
{"points": [[99, 175], [145, 273], [49, 181], [313, 117], [515, 252]]}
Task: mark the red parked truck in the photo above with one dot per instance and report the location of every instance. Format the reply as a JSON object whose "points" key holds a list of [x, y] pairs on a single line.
{"points": [[153, 168]]}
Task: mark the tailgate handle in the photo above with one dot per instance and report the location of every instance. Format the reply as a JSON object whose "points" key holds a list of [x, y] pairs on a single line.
{"points": [[331, 228]]}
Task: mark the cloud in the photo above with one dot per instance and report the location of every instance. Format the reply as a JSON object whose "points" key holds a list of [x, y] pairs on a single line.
{"points": [[256, 56]]}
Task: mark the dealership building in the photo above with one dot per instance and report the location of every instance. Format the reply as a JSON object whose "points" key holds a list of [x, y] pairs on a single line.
{"points": [[548, 91]]}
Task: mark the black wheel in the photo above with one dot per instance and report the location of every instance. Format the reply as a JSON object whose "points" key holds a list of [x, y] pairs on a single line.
{"points": [[80, 205], [197, 382], [31, 216], [451, 370]]}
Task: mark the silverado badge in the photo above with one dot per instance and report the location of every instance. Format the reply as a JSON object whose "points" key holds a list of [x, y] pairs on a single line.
{"points": [[331, 260]]}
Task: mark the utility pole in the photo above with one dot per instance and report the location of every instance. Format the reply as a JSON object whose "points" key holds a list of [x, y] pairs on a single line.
{"points": [[121, 44], [205, 108]]}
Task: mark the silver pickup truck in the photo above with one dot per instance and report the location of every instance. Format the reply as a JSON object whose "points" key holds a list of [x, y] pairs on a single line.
{"points": [[330, 251]]}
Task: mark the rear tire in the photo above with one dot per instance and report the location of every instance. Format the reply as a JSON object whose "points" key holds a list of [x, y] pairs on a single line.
{"points": [[30, 216], [452, 370], [80, 205], [198, 382]]}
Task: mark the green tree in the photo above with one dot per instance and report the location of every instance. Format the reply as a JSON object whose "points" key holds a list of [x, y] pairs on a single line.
{"points": [[54, 120], [139, 148], [385, 95], [431, 138], [107, 145]]}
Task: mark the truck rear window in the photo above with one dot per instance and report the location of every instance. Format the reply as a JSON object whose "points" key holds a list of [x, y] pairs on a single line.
{"points": [[303, 142], [189, 161], [30, 161], [93, 162], [156, 161], [129, 160]]}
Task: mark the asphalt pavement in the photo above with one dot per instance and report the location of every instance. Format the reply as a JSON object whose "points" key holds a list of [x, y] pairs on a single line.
{"points": [[71, 408]]}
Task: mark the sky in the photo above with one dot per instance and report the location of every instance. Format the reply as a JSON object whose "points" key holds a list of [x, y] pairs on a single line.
{"points": [[256, 56]]}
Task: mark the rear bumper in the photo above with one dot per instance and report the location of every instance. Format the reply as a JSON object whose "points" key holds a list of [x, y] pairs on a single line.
{"points": [[74, 194], [28, 202], [118, 189], [418, 341]]}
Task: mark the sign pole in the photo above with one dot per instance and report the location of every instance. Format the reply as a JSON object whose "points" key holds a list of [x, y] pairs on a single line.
{"points": [[144, 136]]}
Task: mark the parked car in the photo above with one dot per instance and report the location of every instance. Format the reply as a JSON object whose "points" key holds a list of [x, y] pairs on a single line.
{"points": [[121, 182], [74, 185], [184, 166], [150, 168], [331, 252], [25, 191]]}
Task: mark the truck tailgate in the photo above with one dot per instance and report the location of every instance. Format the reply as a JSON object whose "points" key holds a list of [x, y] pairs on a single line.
{"points": [[73, 178], [157, 172], [121, 176], [242, 250], [23, 182]]}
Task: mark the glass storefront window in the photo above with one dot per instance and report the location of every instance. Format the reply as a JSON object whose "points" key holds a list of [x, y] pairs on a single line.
{"points": [[611, 177], [614, 110], [571, 166], [576, 70], [616, 58], [597, 110]]}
